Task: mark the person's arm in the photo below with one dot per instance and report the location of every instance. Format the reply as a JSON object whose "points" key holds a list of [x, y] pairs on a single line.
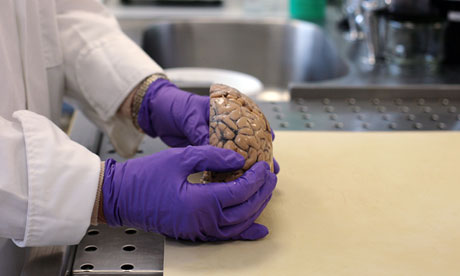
{"points": [[48, 183], [102, 67]]}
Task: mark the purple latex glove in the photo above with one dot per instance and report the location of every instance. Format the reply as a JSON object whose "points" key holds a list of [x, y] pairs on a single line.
{"points": [[276, 166], [152, 193], [179, 118]]}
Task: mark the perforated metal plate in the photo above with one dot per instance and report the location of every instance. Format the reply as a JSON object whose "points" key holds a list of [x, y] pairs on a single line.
{"points": [[119, 251], [368, 109]]}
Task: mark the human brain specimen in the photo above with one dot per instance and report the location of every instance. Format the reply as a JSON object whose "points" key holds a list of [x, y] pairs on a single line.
{"points": [[237, 123]]}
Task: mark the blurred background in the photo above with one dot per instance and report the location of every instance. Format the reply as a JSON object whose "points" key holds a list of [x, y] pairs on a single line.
{"points": [[282, 42]]}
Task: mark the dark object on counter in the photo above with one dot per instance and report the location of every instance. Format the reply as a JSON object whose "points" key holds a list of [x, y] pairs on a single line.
{"points": [[343, 24], [416, 10], [173, 2], [237, 123], [452, 44], [410, 6], [407, 33], [452, 35]]}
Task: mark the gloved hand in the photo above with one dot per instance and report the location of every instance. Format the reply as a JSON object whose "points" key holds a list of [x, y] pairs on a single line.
{"points": [[179, 118], [152, 193], [276, 166]]}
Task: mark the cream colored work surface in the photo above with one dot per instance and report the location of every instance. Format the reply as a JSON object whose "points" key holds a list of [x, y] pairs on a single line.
{"points": [[348, 204]]}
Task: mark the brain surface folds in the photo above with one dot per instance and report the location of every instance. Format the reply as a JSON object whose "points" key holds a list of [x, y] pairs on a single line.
{"points": [[237, 123]]}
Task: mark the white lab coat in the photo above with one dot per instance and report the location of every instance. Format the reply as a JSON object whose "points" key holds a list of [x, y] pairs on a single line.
{"points": [[49, 48]]}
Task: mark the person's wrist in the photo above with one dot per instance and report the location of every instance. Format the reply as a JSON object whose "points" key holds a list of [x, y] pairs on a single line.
{"points": [[97, 215], [138, 97], [114, 173], [125, 108]]}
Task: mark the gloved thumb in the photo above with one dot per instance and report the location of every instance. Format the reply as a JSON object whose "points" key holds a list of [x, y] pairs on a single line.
{"points": [[254, 232], [203, 158]]}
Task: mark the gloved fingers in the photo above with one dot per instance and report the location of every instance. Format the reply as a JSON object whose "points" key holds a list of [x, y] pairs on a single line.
{"points": [[243, 188], [276, 166], [235, 231], [254, 232], [197, 133], [238, 216], [201, 136], [242, 212], [174, 141], [203, 158], [196, 120]]}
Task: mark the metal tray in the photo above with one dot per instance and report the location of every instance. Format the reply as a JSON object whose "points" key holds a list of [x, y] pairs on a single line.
{"points": [[119, 251], [371, 108]]}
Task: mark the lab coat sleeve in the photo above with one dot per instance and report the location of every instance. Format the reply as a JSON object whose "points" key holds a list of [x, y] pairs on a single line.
{"points": [[102, 66], [48, 182]]}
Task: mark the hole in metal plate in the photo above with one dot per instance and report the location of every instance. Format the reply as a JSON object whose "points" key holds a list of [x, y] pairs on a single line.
{"points": [[93, 232], [129, 248], [130, 231], [127, 266], [90, 248], [87, 267]]}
